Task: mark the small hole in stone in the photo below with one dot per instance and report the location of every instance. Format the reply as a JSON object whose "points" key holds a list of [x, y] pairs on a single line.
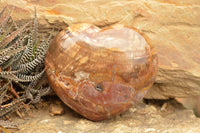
{"points": [[67, 83], [99, 87]]}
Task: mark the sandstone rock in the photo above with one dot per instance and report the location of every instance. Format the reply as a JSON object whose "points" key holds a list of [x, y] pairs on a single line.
{"points": [[191, 103], [173, 27], [140, 119], [56, 109]]}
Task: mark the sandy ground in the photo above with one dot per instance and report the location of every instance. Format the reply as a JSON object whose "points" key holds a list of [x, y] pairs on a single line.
{"points": [[143, 118]]}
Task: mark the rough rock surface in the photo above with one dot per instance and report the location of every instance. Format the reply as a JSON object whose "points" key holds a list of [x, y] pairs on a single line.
{"points": [[173, 27], [139, 119], [56, 109]]}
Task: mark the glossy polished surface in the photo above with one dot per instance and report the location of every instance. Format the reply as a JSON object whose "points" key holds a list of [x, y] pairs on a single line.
{"points": [[100, 73]]}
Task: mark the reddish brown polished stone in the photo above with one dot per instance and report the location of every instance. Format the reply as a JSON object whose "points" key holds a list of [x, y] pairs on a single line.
{"points": [[100, 73]]}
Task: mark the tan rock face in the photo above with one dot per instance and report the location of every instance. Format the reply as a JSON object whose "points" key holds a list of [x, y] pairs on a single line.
{"points": [[172, 26]]}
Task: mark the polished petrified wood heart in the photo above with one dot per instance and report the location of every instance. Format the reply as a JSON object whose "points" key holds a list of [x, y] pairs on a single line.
{"points": [[100, 73]]}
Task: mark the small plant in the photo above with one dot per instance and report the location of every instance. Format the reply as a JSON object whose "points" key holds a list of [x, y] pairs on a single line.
{"points": [[22, 55]]}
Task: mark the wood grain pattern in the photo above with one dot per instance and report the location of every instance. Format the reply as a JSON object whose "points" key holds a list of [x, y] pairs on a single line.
{"points": [[100, 73]]}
